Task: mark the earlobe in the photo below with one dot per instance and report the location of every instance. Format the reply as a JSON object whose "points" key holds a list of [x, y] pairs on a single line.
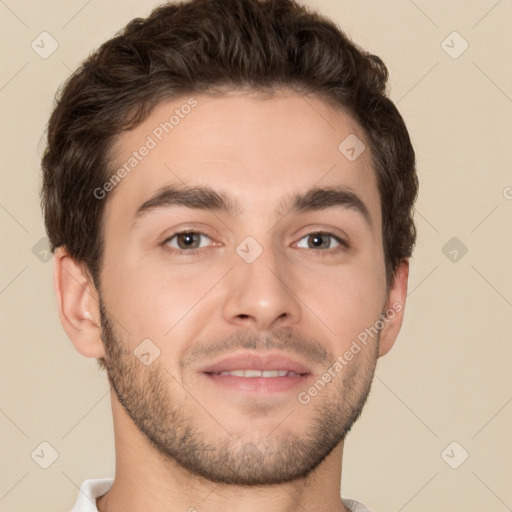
{"points": [[77, 304], [395, 307]]}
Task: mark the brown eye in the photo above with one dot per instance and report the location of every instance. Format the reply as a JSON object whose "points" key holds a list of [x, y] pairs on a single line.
{"points": [[320, 240], [186, 240]]}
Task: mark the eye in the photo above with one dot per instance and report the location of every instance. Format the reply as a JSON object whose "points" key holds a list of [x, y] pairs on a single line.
{"points": [[186, 240], [321, 240]]}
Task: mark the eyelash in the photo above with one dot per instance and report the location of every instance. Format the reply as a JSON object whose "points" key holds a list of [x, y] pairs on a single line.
{"points": [[191, 252]]}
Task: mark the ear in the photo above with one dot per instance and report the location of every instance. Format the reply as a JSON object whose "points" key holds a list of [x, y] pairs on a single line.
{"points": [[78, 305], [394, 309]]}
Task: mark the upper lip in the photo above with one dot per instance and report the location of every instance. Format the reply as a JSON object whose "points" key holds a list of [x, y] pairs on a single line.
{"points": [[255, 361]]}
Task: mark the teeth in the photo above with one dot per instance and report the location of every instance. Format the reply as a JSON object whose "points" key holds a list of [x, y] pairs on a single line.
{"points": [[258, 373], [274, 373]]}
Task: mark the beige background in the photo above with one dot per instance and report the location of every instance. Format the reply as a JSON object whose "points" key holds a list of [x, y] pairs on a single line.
{"points": [[448, 377]]}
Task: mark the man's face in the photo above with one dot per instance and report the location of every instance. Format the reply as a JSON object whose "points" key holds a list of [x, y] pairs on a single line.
{"points": [[266, 277]]}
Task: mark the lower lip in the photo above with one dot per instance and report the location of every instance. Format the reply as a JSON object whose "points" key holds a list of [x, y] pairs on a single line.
{"points": [[258, 385]]}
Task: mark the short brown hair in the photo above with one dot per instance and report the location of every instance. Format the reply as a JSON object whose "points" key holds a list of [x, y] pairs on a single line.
{"points": [[199, 46]]}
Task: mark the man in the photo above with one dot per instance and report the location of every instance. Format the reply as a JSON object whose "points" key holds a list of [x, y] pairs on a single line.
{"points": [[228, 192]]}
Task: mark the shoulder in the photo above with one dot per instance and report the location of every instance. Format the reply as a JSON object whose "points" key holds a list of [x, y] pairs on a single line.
{"points": [[355, 506], [91, 489]]}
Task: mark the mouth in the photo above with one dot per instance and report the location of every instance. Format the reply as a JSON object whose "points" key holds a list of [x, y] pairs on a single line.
{"points": [[257, 373], [253, 373]]}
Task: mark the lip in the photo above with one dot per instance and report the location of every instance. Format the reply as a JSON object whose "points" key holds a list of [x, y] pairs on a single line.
{"points": [[257, 386], [255, 361]]}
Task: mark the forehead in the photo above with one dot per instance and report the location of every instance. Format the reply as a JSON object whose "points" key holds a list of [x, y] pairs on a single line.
{"points": [[259, 149]]}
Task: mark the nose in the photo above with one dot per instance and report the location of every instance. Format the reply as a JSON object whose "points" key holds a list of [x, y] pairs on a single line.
{"points": [[260, 293]]}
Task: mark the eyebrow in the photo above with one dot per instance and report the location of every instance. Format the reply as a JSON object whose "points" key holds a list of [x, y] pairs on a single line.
{"points": [[206, 198]]}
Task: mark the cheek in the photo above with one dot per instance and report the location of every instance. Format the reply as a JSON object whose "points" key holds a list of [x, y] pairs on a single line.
{"points": [[347, 299], [158, 300]]}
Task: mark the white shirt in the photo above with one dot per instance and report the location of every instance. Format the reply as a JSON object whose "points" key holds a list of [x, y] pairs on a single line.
{"points": [[95, 487]]}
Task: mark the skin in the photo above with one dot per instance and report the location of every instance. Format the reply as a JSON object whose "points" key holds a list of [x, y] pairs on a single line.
{"points": [[269, 453]]}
